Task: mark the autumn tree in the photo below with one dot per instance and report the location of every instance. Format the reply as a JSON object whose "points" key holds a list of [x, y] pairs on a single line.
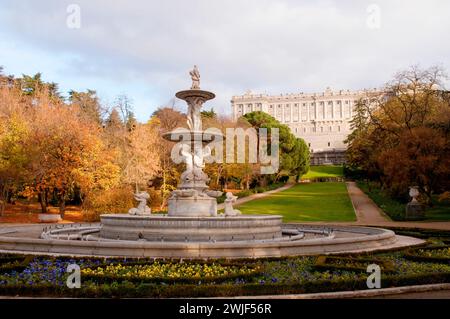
{"points": [[406, 138], [14, 130], [88, 103], [165, 120], [142, 154]]}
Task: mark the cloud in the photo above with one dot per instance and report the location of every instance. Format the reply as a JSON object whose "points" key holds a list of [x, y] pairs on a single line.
{"points": [[145, 48]]}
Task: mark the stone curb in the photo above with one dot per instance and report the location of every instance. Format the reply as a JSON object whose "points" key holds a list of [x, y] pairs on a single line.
{"points": [[357, 293]]}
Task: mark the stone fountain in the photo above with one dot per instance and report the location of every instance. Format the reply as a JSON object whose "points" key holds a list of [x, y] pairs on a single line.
{"points": [[192, 207]]}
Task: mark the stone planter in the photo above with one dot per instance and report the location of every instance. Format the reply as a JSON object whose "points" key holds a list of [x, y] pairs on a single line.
{"points": [[49, 218]]}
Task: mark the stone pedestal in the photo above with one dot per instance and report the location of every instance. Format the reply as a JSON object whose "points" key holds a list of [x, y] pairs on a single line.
{"points": [[163, 228], [199, 206], [414, 211]]}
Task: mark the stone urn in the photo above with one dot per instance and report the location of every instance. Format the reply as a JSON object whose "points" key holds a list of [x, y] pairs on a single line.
{"points": [[414, 209], [414, 193]]}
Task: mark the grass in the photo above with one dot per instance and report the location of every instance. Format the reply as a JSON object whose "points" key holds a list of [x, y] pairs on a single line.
{"points": [[324, 171], [396, 209], [327, 201]]}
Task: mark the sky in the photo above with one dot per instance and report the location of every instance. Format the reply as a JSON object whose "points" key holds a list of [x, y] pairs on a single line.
{"points": [[145, 49]]}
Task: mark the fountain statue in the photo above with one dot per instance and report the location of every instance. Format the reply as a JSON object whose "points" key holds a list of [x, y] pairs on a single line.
{"points": [[229, 210], [142, 208]]}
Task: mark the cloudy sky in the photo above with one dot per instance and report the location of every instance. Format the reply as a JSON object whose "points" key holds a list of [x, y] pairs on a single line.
{"points": [[145, 48]]}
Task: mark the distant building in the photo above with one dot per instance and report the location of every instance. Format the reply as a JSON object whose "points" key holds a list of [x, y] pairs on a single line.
{"points": [[321, 119]]}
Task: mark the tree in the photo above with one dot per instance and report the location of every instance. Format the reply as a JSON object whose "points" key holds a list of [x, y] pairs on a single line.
{"points": [[88, 103], [165, 119], [142, 154], [124, 105], [59, 146], [293, 158], [404, 140], [13, 156]]}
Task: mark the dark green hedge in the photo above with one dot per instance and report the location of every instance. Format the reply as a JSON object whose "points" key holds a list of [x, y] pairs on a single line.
{"points": [[169, 281], [128, 289]]}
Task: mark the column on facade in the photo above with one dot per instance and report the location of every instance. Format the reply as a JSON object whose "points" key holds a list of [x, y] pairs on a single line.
{"points": [[292, 112], [316, 114], [332, 110]]}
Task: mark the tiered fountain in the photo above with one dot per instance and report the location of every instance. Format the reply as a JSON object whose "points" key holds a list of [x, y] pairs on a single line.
{"points": [[192, 207]]}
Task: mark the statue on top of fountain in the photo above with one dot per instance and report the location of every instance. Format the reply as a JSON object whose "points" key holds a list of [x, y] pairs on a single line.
{"points": [[195, 76], [194, 120]]}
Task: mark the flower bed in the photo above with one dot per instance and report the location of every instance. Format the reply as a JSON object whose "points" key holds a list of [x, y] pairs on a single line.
{"points": [[169, 272], [438, 254], [351, 264]]}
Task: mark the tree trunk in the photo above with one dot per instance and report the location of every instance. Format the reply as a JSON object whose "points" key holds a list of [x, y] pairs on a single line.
{"points": [[42, 201], [62, 205]]}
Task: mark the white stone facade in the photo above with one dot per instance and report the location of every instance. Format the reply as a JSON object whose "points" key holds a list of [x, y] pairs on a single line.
{"points": [[321, 119]]}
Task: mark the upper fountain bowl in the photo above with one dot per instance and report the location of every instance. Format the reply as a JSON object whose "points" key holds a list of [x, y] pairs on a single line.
{"points": [[195, 93], [186, 135]]}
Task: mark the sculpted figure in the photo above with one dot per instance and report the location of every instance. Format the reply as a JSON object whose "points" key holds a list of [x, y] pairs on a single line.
{"points": [[229, 210], [142, 208], [195, 76]]}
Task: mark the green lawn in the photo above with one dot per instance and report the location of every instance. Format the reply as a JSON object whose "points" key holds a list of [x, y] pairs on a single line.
{"points": [[327, 201], [324, 171]]}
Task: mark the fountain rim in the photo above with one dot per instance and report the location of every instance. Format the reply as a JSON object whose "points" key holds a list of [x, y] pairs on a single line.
{"points": [[203, 136], [186, 94]]}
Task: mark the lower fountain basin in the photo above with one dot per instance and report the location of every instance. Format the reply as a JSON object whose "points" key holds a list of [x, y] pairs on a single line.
{"points": [[190, 229]]}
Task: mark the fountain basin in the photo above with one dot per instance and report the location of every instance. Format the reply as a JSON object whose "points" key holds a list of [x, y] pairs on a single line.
{"points": [[162, 228]]}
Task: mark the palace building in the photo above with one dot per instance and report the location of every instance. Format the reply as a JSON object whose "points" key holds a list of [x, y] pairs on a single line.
{"points": [[321, 119]]}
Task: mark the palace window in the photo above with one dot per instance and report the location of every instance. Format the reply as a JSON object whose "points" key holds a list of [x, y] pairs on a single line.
{"points": [[321, 128], [330, 103], [339, 128], [330, 129], [328, 143]]}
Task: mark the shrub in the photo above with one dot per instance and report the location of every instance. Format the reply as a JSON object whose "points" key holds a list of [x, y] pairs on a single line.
{"points": [[245, 193]]}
